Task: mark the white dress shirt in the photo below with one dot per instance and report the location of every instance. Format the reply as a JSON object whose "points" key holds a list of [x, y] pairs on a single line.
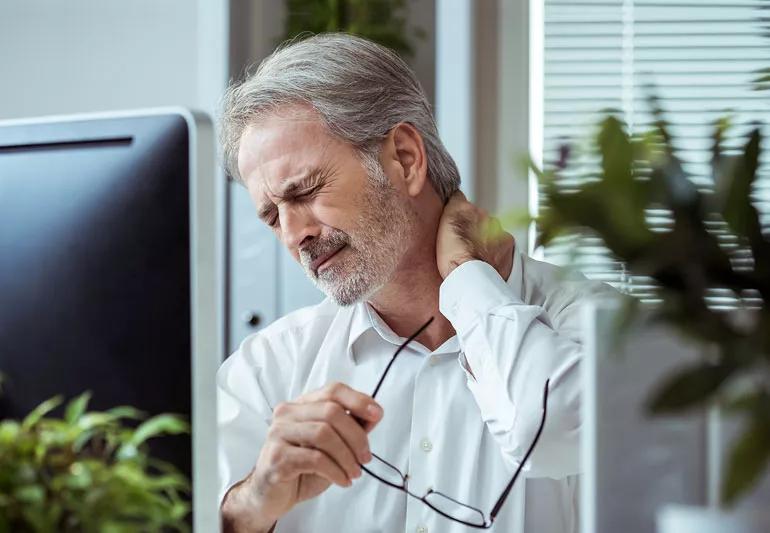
{"points": [[460, 433]]}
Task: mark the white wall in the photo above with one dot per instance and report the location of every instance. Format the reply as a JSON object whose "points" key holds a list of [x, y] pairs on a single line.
{"points": [[507, 103], [92, 55], [488, 99]]}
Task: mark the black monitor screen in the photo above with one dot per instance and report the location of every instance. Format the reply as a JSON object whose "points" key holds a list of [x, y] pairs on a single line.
{"points": [[94, 267]]}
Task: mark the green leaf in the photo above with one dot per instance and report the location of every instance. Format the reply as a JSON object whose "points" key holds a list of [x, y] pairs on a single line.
{"points": [[127, 451], [50, 484], [661, 124], [36, 520], [77, 407], [126, 411], [721, 127], [95, 420], [25, 474], [9, 432], [543, 177], [5, 523], [738, 211], [40, 411], [79, 476], [115, 526], [617, 153], [689, 387], [159, 425], [82, 439], [30, 494], [169, 481], [763, 81], [748, 459], [382, 21], [614, 217], [753, 401]]}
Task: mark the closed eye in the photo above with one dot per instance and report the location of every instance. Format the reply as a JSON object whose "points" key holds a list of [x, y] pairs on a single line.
{"points": [[308, 193], [296, 192], [269, 215]]}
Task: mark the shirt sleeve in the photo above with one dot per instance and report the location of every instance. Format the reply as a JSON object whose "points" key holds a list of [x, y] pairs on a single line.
{"points": [[509, 350], [243, 414]]}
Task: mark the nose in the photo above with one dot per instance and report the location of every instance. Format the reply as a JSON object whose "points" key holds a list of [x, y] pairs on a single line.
{"points": [[298, 227]]}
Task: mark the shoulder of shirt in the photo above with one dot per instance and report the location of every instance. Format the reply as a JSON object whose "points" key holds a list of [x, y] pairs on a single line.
{"points": [[545, 281], [274, 354], [276, 348], [292, 328], [305, 318]]}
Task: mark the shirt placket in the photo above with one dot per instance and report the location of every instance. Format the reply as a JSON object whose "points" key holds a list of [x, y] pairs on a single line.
{"points": [[423, 447]]}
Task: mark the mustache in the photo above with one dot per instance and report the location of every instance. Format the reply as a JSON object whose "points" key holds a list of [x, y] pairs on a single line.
{"points": [[322, 246]]}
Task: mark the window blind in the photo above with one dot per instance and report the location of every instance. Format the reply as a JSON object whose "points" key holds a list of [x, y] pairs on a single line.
{"points": [[700, 56]]}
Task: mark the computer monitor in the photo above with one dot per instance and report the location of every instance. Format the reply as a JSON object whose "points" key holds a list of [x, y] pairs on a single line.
{"points": [[633, 464], [110, 273]]}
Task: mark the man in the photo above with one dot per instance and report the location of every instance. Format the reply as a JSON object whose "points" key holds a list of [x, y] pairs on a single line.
{"points": [[335, 141]]}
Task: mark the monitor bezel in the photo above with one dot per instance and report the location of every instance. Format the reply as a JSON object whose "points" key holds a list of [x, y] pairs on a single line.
{"points": [[207, 310]]}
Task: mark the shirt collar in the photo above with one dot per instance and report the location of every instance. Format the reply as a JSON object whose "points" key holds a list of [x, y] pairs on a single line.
{"points": [[365, 318], [359, 323], [516, 279]]}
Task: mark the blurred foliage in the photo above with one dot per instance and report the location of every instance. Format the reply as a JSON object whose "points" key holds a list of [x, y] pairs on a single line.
{"points": [[89, 472], [381, 21], [641, 172], [763, 81]]}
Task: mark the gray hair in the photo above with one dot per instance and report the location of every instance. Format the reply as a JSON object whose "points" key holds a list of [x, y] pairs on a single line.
{"points": [[360, 90]]}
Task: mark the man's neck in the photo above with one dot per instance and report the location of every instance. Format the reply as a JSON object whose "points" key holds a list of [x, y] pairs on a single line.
{"points": [[411, 298]]}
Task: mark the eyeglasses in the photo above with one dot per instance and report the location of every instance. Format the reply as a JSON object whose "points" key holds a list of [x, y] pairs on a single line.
{"points": [[438, 501]]}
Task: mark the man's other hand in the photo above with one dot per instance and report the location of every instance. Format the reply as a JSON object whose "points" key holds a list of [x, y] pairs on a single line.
{"points": [[466, 232], [313, 441]]}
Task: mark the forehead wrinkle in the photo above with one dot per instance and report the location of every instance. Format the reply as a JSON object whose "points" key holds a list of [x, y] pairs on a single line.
{"points": [[293, 186]]}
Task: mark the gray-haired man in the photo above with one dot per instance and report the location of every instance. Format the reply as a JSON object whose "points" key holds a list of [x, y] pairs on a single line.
{"points": [[334, 139]]}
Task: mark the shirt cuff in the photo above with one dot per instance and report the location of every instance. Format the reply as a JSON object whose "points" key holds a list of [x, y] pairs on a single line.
{"points": [[471, 291]]}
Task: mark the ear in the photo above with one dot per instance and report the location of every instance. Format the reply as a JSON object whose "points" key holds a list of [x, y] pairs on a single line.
{"points": [[407, 154]]}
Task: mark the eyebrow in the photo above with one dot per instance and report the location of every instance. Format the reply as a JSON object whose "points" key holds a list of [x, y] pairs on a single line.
{"points": [[314, 178]]}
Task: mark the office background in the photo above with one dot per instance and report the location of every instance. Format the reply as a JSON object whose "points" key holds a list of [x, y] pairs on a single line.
{"points": [[506, 77], [94, 55]]}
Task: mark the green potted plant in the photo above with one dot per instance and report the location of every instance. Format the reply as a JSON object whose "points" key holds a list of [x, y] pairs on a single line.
{"points": [[640, 172], [382, 21], [89, 471]]}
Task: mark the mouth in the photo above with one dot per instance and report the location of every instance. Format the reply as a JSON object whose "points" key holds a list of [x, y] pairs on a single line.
{"points": [[319, 262]]}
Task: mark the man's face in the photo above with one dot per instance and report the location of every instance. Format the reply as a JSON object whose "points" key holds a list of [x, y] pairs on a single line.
{"points": [[349, 230]]}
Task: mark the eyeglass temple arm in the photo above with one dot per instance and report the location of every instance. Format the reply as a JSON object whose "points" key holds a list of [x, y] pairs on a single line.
{"points": [[407, 341], [504, 495]]}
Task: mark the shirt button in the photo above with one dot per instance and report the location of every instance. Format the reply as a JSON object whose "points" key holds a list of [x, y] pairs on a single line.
{"points": [[426, 446], [433, 360], [421, 529]]}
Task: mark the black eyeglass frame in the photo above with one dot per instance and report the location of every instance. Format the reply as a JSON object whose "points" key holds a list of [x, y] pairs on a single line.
{"points": [[485, 523]]}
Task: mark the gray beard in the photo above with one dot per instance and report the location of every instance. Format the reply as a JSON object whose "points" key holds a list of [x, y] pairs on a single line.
{"points": [[375, 246]]}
